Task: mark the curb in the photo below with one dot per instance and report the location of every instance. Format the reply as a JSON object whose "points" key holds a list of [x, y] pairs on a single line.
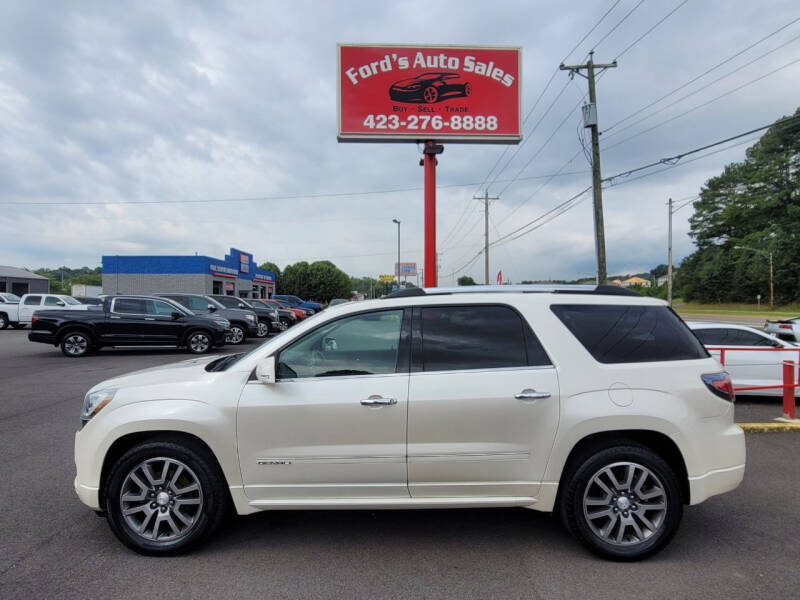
{"points": [[769, 427]]}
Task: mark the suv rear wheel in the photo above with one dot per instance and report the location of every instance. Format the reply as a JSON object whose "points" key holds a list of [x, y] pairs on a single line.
{"points": [[622, 502], [164, 497]]}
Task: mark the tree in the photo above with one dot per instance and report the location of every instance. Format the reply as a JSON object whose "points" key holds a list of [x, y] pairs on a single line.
{"points": [[750, 209], [321, 281], [465, 280]]}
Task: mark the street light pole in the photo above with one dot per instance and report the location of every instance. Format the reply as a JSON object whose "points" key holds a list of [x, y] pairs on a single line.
{"points": [[398, 251]]}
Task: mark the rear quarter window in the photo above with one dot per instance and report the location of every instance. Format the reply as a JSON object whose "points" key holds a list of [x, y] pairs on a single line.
{"points": [[630, 334]]}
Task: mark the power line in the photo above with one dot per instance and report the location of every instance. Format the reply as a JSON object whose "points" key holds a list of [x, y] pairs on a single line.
{"points": [[646, 33], [674, 159], [703, 74], [620, 22], [263, 198], [700, 89]]}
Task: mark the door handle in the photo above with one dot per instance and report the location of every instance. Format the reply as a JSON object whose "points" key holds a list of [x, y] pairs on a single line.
{"points": [[378, 401], [531, 395], [149, 318]]}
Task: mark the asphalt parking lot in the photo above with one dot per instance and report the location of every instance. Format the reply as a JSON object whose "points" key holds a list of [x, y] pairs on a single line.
{"points": [[742, 544]]}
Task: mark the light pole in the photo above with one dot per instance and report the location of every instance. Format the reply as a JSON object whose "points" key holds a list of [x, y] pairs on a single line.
{"points": [[771, 276], [398, 251]]}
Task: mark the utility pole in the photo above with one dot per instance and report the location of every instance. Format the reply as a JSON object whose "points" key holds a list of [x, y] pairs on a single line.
{"points": [[590, 120], [669, 257], [397, 221], [485, 199]]}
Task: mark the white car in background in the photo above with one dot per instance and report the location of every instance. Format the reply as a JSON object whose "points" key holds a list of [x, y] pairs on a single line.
{"points": [[20, 313], [746, 360], [786, 329]]}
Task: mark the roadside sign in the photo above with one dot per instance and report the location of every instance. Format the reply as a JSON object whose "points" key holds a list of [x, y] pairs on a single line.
{"points": [[395, 93], [405, 269], [386, 278]]}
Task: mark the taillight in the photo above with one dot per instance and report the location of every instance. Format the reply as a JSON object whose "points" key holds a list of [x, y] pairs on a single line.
{"points": [[34, 318], [784, 326], [720, 384]]}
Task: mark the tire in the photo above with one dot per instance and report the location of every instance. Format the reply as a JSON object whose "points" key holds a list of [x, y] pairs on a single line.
{"points": [[430, 94], [286, 322], [263, 329], [191, 494], [18, 325], [238, 334], [199, 342], [3, 321], [75, 344], [612, 520]]}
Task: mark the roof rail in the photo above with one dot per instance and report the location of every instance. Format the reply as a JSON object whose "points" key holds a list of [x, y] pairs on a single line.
{"points": [[605, 290]]}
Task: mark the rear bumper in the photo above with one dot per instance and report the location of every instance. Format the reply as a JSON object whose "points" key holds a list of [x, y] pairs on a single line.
{"points": [[45, 337], [715, 482]]}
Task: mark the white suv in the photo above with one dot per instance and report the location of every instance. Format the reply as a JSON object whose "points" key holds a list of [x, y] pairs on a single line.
{"points": [[592, 402]]}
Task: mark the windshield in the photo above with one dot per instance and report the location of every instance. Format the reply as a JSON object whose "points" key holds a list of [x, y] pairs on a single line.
{"points": [[70, 300], [178, 306]]}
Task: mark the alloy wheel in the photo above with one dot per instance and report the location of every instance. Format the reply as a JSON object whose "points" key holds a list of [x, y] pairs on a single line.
{"points": [[199, 343], [237, 335], [263, 329], [624, 504], [161, 499], [76, 345]]}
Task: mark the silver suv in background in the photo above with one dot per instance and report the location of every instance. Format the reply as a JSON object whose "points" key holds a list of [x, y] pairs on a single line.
{"points": [[244, 323]]}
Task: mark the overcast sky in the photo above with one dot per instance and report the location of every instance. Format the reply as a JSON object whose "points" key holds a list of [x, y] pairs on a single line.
{"points": [[124, 103]]}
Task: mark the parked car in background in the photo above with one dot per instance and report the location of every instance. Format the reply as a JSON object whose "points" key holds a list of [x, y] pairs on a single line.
{"points": [[598, 406], [301, 313], [336, 301], [128, 321], [785, 329], [296, 302], [287, 316], [244, 323], [18, 315], [6, 299], [89, 300], [747, 362], [268, 317]]}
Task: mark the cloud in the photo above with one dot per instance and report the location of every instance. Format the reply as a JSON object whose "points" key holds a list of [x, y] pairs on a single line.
{"points": [[127, 102]]}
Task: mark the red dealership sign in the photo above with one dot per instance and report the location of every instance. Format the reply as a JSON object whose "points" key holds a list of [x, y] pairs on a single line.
{"points": [[444, 93]]}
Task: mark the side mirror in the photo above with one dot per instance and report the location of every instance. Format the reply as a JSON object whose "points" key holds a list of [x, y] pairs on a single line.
{"points": [[176, 315], [240, 305], [265, 370], [212, 308], [60, 303], [329, 344]]}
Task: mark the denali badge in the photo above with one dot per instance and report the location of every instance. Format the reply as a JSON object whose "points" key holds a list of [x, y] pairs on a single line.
{"points": [[274, 462]]}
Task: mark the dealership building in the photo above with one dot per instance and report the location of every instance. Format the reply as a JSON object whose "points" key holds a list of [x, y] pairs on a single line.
{"points": [[21, 281], [234, 275]]}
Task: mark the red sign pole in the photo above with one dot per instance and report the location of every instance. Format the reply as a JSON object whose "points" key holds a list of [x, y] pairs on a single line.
{"points": [[431, 150]]}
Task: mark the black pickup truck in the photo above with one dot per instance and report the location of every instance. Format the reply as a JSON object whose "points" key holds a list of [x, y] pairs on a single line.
{"points": [[128, 321]]}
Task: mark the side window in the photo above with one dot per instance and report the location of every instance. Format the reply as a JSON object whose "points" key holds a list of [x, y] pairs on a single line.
{"points": [[365, 344], [33, 300], [741, 337], [712, 337], [160, 308], [130, 306], [51, 301], [195, 303], [630, 334], [477, 337]]}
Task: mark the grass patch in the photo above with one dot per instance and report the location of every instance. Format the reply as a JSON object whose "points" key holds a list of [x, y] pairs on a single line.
{"points": [[734, 309]]}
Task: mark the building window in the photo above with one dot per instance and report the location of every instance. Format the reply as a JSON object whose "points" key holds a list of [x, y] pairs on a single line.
{"points": [[216, 288]]}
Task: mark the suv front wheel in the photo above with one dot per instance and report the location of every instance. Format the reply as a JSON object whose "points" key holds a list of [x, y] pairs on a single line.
{"points": [[622, 502], [163, 498]]}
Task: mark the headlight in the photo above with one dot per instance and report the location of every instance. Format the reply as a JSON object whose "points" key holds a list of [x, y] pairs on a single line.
{"points": [[251, 318], [94, 402], [225, 323]]}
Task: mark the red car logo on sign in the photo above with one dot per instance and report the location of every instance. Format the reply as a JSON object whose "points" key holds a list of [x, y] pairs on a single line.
{"points": [[430, 88]]}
